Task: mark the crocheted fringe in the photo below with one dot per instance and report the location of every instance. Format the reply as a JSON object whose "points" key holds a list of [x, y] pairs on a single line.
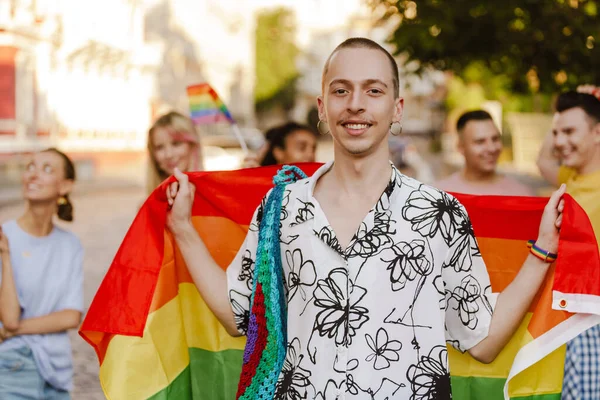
{"points": [[266, 344]]}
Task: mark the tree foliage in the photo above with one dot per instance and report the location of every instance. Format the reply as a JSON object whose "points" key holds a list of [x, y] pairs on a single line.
{"points": [[276, 52], [538, 45]]}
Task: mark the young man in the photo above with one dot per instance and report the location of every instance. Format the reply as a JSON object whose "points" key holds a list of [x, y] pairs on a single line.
{"points": [[571, 155], [480, 143], [380, 270]]}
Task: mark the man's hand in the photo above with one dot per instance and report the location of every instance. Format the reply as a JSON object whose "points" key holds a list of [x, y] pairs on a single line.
{"points": [[180, 196], [551, 221]]}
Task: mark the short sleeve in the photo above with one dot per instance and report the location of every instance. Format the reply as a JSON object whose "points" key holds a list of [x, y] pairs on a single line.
{"points": [[469, 301], [565, 174], [240, 273], [73, 297]]}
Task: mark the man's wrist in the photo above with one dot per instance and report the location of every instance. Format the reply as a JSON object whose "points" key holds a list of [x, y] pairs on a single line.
{"points": [[183, 231], [546, 244]]}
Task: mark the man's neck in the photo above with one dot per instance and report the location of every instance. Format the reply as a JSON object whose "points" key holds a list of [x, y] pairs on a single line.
{"points": [[360, 176], [473, 176], [590, 168]]}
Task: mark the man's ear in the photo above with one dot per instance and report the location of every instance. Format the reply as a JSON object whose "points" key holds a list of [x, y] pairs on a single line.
{"points": [[321, 108], [399, 109], [596, 133], [460, 143]]}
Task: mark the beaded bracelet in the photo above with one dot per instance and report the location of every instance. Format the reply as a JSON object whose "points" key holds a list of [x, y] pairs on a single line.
{"points": [[542, 254]]}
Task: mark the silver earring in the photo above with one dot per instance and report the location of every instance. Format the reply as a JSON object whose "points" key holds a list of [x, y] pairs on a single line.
{"points": [[396, 128], [323, 127]]}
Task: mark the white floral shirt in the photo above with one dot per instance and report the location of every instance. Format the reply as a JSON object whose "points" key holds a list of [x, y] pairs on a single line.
{"points": [[371, 321]]}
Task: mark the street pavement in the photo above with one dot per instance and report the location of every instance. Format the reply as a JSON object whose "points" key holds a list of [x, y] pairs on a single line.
{"points": [[101, 221]]}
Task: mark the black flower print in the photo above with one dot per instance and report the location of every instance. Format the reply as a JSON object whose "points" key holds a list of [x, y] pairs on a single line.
{"points": [[240, 304], [466, 297], [384, 349], [463, 248], [304, 213], [406, 261], [429, 378], [247, 271], [284, 203], [431, 211], [255, 225], [440, 287], [293, 379], [332, 391], [328, 237], [367, 243], [339, 318], [302, 273]]}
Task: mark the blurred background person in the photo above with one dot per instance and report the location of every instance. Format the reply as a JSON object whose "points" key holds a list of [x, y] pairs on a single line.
{"points": [[41, 291], [480, 143], [571, 155], [289, 143], [172, 142]]}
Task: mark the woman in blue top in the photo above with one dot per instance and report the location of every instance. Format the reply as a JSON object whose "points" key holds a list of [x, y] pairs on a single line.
{"points": [[41, 286]]}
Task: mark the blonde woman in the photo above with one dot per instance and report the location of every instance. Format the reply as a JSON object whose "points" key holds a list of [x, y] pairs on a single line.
{"points": [[172, 143]]}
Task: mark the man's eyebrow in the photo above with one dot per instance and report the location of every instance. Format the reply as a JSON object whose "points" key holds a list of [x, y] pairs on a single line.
{"points": [[365, 82]]}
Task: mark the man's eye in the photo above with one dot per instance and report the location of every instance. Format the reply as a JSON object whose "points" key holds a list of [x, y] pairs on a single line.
{"points": [[375, 91], [30, 167], [340, 91], [47, 169]]}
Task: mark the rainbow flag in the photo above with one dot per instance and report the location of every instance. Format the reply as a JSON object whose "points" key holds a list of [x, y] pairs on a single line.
{"points": [[156, 339], [205, 105]]}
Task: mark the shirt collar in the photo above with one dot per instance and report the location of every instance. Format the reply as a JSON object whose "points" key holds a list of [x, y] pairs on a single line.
{"points": [[303, 206]]}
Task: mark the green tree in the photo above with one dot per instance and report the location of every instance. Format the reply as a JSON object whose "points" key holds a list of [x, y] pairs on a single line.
{"points": [[538, 46], [276, 72]]}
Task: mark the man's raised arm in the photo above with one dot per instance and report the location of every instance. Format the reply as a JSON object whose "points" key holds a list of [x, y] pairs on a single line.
{"points": [[208, 277]]}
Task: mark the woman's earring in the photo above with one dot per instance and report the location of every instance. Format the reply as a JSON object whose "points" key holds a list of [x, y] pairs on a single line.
{"points": [[62, 200], [323, 127], [396, 128]]}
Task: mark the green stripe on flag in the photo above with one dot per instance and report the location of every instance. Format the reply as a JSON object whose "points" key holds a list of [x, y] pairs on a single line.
{"points": [[477, 388], [210, 375]]}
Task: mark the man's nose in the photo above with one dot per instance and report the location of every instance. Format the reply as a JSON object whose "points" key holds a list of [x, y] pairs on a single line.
{"points": [[356, 103], [560, 140]]}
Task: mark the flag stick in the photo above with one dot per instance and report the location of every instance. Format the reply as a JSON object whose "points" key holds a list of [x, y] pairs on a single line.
{"points": [[240, 138]]}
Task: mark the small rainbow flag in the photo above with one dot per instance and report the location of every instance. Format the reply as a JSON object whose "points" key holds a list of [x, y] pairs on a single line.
{"points": [[205, 105]]}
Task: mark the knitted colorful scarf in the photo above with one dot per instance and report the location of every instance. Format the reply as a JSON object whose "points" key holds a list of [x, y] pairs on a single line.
{"points": [[267, 328]]}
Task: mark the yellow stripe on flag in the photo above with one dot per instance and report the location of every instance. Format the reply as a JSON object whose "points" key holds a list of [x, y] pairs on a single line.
{"points": [[153, 362], [542, 378]]}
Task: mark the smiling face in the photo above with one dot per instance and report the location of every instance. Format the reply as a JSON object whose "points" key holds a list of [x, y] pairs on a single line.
{"points": [[481, 144], [358, 100], [171, 150], [44, 178], [576, 138]]}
